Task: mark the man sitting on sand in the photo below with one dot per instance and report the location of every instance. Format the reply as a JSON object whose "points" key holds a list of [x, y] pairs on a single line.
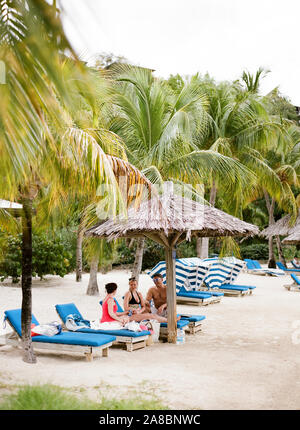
{"points": [[158, 294]]}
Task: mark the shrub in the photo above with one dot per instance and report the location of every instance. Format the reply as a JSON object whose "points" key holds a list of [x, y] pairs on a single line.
{"points": [[50, 256], [256, 251]]}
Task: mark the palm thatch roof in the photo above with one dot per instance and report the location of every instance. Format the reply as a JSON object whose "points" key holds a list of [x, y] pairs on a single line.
{"points": [[292, 239], [282, 227], [173, 215]]}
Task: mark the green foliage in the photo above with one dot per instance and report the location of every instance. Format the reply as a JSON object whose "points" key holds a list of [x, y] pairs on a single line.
{"points": [[256, 251], [51, 397], [153, 253], [50, 256]]}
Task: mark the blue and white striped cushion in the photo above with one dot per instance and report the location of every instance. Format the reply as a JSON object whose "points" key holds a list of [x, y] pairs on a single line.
{"points": [[223, 271], [188, 274]]}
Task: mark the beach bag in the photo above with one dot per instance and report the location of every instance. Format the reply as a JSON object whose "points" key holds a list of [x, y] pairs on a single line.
{"points": [[154, 328], [50, 329], [133, 326], [75, 322]]}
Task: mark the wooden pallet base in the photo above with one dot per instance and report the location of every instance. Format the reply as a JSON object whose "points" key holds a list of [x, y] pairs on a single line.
{"points": [[88, 351]]}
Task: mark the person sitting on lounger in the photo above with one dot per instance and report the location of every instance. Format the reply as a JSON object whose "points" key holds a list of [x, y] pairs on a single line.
{"points": [[110, 314], [133, 299], [158, 294], [109, 307]]}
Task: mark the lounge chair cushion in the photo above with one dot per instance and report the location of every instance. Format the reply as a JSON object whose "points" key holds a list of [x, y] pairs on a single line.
{"points": [[233, 287], [66, 309], [180, 324], [296, 279], [250, 264], [193, 318], [67, 338], [249, 287], [201, 294], [281, 266], [194, 295]]}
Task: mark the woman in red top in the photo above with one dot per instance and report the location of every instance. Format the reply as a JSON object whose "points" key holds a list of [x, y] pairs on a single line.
{"points": [[109, 307]]}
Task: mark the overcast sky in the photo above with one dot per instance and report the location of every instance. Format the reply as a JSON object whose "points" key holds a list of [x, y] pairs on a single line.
{"points": [[221, 37]]}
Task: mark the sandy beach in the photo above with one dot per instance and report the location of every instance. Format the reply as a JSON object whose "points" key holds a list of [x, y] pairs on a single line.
{"points": [[246, 357]]}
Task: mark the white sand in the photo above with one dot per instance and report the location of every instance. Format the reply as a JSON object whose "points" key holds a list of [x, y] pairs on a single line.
{"points": [[247, 356]]}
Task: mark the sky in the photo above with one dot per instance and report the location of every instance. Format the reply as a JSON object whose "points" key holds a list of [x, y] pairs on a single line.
{"points": [[221, 37]]}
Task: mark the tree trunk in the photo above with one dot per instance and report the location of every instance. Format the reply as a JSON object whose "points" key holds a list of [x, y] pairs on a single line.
{"points": [[198, 246], [280, 251], [171, 294], [80, 233], [137, 265], [92, 289], [26, 315], [205, 240], [271, 261], [270, 207]]}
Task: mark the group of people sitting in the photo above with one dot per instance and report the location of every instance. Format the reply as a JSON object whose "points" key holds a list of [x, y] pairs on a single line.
{"points": [[135, 307]]}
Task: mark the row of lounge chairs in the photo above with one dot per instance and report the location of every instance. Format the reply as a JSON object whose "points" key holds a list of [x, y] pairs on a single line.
{"points": [[254, 267], [89, 341], [206, 296]]}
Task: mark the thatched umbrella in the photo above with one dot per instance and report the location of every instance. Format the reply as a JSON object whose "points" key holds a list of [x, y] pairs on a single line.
{"points": [[292, 239], [282, 227], [169, 220]]}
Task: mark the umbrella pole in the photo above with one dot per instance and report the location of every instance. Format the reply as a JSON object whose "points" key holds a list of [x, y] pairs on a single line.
{"points": [[171, 294]]}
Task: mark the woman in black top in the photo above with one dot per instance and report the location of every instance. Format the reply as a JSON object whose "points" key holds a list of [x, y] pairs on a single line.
{"points": [[133, 299]]}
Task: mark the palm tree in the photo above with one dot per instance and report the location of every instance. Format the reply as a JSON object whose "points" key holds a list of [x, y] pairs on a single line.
{"points": [[241, 128], [285, 163], [158, 125], [39, 145]]}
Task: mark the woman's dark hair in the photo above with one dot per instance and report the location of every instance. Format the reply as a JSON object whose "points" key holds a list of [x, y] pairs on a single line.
{"points": [[111, 287]]}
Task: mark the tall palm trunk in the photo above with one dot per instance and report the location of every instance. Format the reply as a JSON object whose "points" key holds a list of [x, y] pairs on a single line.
{"points": [[26, 315], [93, 289], [203, 243], [198, 246], [137, 265], [80, 234], [280, 251], [270, 206]]}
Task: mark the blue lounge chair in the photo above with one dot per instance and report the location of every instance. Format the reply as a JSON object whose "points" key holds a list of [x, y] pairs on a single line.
{"points": [[197, 297], [255, 268], [281, 266], [294, 265], [295, 286], [131, 339], [192, 321], [64, 341]]}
